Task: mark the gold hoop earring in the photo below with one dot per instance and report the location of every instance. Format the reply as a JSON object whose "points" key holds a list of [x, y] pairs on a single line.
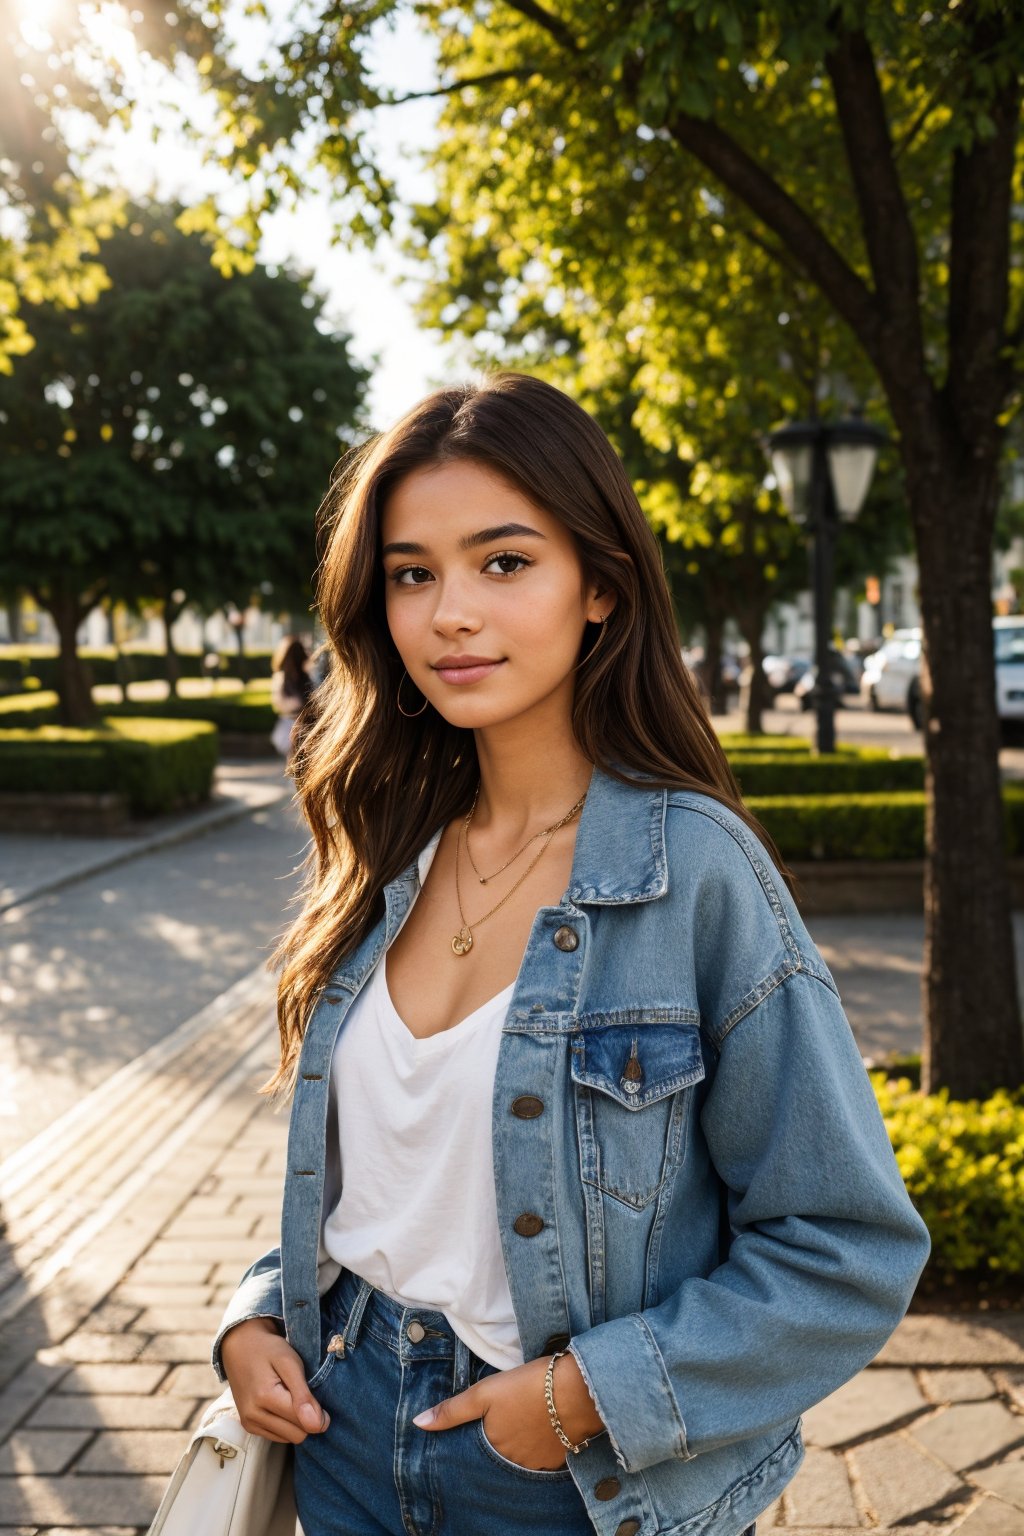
{"points": [[409, 714]]}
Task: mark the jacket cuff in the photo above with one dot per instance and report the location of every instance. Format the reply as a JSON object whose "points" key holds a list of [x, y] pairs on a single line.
{"points": [[638, 1406], [259, 1296]]}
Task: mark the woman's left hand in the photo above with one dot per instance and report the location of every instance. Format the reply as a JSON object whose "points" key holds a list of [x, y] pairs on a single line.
{"points": [[515, 1412]]}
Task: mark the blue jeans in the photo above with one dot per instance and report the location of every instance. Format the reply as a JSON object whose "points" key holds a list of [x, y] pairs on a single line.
{"points": [[374, 1473]]}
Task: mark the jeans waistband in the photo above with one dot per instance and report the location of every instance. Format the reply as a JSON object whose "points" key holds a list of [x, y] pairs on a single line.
{"points": [[353, 1307]]}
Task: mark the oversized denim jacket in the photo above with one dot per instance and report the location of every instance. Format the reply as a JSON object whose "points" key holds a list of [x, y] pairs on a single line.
{"points": [[723, 1234]]}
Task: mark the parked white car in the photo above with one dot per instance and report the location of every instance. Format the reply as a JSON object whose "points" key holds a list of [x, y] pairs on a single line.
{"points": [[1009, 638], [888, 675], [892, 676]]}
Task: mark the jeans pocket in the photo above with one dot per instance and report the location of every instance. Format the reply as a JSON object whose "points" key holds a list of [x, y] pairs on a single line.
{"points": [[322, 1371], [543, 1474]]}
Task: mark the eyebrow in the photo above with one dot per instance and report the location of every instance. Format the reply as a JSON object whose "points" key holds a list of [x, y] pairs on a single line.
{"points": [[470, 540]]}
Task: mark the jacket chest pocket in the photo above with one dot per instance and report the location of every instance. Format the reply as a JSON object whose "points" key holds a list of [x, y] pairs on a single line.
{"points": [[628, 1087]]}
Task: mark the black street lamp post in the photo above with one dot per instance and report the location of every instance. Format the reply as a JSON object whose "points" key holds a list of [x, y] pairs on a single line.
{"points": [[823, 470]]}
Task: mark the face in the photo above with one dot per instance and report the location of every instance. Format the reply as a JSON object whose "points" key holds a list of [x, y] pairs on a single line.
{"points": [[485, 595]]}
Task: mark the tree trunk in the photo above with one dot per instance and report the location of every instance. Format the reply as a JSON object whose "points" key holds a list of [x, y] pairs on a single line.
{"points": [[74, 678], [711, 666], [751, 623], [171, 662], [973, 1040], [240, 638]]}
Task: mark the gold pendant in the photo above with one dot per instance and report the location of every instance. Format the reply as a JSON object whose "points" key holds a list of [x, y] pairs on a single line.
{"points": [[462, 942]]}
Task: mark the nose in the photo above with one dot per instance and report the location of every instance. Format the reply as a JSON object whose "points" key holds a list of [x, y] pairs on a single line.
{"points": [[454, 611]]}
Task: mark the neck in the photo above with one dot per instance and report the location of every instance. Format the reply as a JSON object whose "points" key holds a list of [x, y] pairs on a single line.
{"points": [[528, 778]]}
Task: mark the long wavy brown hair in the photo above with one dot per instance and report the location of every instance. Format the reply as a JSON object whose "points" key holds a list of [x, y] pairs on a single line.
{"points": [[373, 784]]}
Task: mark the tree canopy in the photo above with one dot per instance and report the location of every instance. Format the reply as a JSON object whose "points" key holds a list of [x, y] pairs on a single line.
{"points": [[179, 432]]}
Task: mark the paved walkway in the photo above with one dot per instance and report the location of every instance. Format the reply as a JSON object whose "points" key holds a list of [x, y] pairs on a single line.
{"points": [[130, 1220], [95, 972], [35, 864]]}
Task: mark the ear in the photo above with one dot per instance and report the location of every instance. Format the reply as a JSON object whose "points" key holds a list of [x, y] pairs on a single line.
{"points": [[600, 602]]}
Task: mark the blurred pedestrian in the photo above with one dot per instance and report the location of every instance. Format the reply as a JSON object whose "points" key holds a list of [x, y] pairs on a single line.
{"points": [[290, 688]]}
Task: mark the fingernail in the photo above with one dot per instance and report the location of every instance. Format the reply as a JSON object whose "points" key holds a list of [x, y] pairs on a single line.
{"points": [[424, 1418]]}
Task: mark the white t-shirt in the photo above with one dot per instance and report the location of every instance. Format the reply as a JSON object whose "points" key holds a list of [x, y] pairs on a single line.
{"points": [[417, 1215]]}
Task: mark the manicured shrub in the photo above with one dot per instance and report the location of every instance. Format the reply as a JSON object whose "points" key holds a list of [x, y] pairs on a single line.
{"points": [[963, 1165], [24, 711], [743, 741], [875, 826], [138, 664], [245, 710], [248, 711], [866, 771], [157, 764], [13, 672]]}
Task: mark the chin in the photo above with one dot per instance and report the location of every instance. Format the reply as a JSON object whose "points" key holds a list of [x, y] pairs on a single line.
{"points": [[479, 714]]}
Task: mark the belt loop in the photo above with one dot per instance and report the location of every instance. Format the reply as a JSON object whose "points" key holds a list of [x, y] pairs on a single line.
{"points": [[350, 1332]]}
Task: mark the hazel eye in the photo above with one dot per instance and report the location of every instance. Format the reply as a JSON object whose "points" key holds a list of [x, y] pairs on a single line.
{"points": [[518, 562]]}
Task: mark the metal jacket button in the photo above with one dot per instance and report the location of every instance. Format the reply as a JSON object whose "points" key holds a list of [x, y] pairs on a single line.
{"points": [[556, 1341], [627, 1528], [528, 1225], [566, 938], [607, 1488], [416, 1331], [527, 1107]]}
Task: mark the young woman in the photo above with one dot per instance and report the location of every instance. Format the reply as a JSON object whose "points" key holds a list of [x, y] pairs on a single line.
{"points": [[290, 688], [587, 1194]]}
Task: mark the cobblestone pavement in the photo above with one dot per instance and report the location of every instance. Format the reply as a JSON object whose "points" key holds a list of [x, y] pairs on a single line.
{"points": [[129, 1222]]}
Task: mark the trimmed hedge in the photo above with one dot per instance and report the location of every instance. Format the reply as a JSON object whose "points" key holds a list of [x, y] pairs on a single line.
{"points": [[879, 826], [24, 711], [137, 665], [963, 1165], [734, 742], [157, 764], [248, 710], [869, 770]]}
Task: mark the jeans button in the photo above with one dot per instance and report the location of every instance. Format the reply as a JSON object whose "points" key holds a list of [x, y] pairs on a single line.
{"points": [[416, 1331], [607, 1488], [566, 938]]}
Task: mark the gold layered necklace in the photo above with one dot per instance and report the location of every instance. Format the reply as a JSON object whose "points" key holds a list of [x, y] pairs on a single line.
{"points": [[462, 942]]}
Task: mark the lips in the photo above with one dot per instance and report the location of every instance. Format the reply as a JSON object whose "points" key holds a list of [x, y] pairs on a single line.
{"points": [[466, 669]]}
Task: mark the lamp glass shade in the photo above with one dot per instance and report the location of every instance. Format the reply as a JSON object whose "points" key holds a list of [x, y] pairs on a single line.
{"points": [[852, 466], [792, 465]]}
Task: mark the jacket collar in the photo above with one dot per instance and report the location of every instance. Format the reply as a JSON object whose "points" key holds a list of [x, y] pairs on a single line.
{"points": [[620, 845], [619, 854]]}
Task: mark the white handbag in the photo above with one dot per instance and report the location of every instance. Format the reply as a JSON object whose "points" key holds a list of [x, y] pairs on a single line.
{"points": [[229, 1482]]}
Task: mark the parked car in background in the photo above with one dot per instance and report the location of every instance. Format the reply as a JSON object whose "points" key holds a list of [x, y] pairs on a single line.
{"points": [[897, 684], [1009, 643], [843, 675], [890, 674], [784, 672]]}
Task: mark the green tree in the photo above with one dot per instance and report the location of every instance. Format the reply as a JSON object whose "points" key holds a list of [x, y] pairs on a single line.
{"points": [[175, 434], [60, 80], [876, 150]]}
